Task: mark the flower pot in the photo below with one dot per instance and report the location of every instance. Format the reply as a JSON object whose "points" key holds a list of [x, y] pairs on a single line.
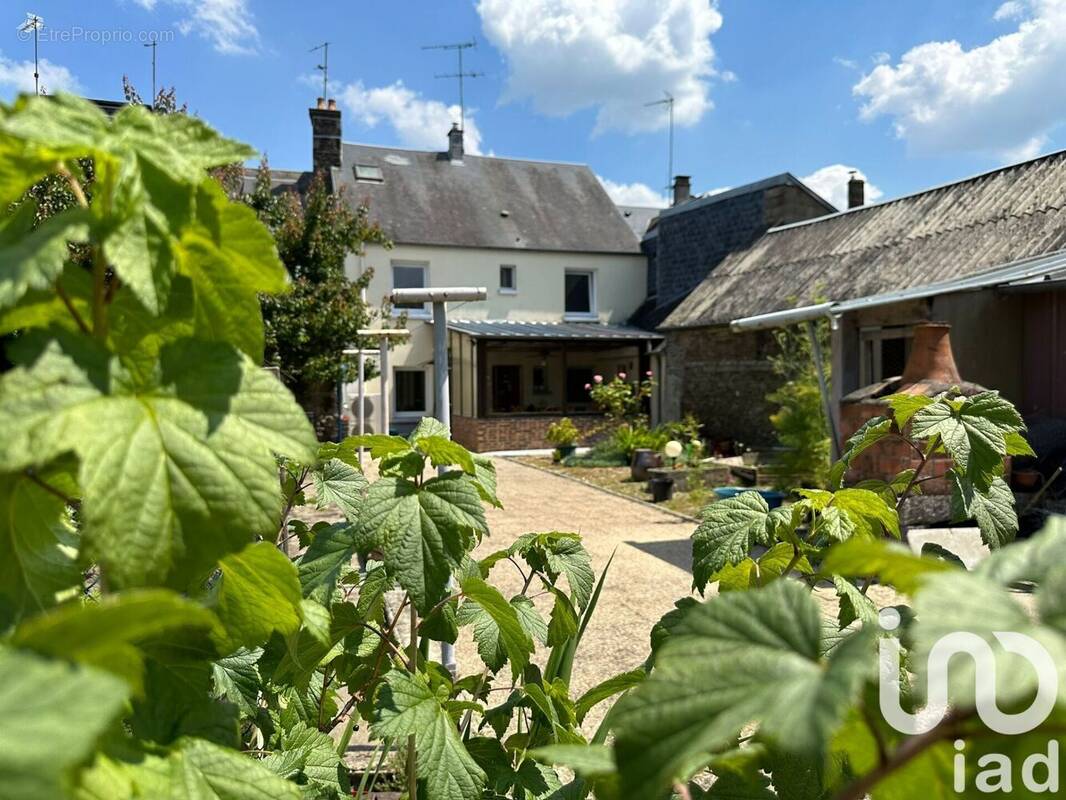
{"points": [[566, 450], [1026, 480], [662, 489], [643, 460], [679, 477]]}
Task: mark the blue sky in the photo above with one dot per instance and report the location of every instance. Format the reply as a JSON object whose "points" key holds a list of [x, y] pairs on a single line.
{"points": [[911, 93]]}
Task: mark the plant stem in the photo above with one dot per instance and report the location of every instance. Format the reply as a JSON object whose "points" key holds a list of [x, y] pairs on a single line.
{"points": [[412, 753], [917, 473], [73, 311], [903, 755]]}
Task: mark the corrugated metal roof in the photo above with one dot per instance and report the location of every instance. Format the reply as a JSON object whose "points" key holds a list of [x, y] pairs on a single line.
{"points": [[949, 232], [423, 198], [508, 329]]}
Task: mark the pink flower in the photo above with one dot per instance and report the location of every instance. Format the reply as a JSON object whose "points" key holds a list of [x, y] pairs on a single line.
{"points": [[597, 378], [648, 374], [588, 386], [622, 375]]}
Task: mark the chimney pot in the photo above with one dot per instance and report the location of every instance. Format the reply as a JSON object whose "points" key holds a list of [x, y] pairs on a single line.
{"points": [[931, 361], [331, 104], [856, 190], [682, 189], [455, 143], [320, 103]]}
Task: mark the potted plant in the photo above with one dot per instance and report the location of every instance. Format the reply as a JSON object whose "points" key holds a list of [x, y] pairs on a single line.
{"points": [[564, 435]]}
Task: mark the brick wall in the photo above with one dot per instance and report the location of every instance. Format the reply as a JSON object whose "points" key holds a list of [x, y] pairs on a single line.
{"points": [[517, 432], [723, 378]]}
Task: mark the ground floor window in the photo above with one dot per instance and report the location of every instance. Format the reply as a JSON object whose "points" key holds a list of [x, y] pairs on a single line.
{"points": [[410, 391]]}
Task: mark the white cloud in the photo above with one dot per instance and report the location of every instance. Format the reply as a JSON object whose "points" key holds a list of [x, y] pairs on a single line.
{"points": [[18, 76], [832, 183], [228, 24], [633, 194], [609, 55], [1012, 9], [418, 122], [1002, 98]]}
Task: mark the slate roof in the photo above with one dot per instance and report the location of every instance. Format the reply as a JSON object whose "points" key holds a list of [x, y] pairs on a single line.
{"points": [[423, 198], [950, 231], [638, 218], [509, 329]]}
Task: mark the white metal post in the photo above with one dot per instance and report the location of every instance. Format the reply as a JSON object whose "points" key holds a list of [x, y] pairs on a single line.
{"points": [[442, 405], [384, 381]]}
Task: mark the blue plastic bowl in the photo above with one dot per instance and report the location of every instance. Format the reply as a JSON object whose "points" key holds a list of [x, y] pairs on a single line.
{"points": [[772, 498]]}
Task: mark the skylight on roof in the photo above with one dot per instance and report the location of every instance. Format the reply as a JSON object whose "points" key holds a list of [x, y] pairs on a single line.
{"points": [[368, 173]]}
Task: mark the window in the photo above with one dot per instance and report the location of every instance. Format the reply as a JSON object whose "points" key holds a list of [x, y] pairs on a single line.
{"points": [[506, 388], [577, 378], [410, 391], [540, 380], [368, 173], [410, 276], [580, 294], [883, 353], [508, 279]]}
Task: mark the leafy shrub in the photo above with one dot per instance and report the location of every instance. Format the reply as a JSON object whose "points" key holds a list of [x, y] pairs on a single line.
{"points": [[620, 399], [563, 433], [799, 420]]}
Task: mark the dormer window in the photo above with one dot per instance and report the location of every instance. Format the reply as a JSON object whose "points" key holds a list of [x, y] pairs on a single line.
{"points": [[368, 173]]}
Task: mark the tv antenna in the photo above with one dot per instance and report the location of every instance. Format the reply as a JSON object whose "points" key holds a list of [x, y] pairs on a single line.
{"points": [[154, 44], [34, 23], [668, 101], [324, 66], [458, 47]]}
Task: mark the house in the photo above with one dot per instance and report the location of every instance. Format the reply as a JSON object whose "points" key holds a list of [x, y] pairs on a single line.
{"points": [[986, 254], [563, 269], [721, 379]]}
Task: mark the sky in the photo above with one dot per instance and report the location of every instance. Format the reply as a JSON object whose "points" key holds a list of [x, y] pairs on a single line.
{"points": [[910, 93]]}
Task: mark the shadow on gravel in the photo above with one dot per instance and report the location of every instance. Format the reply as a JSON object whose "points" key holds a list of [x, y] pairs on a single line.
{"points": [[677, 552]]}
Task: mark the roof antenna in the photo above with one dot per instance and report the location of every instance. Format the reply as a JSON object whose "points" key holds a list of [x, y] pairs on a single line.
{"points": [[459, 47], [34, 23], [668, 101], [154, 44], [324, 66]]}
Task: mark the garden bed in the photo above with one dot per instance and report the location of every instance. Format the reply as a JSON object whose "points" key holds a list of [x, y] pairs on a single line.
{"points": [[617, 479]]}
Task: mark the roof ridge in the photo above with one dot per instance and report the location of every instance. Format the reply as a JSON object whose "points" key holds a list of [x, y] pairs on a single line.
{"points": [[931, 190], [469, 155]]}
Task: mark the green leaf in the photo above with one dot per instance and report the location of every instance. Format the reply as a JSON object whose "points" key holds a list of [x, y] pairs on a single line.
{"points": [[237, 680], [340, 484], [113, 632], [324, 560], [729, 531], [973, 431], [905, 406], [588, 761], [1029, 560], [854, 605], [1017, 445], [33, 259], [870, 433], [443, 452], [380, 445], [428, 427], [530, 619], [423, 531], [196, 445], [38, 538], [485, 480], [891, 563], [199, 770], [497, 628], [53, 714], [606, 690], [741, 657], [836, 524], [868, 512], [992, 509], [259, 594], [557, 554], [406, 705], [309, 757]]}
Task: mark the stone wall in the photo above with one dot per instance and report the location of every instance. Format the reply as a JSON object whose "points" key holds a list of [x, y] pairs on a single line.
{"points": [[513, 432], [723, 378]]}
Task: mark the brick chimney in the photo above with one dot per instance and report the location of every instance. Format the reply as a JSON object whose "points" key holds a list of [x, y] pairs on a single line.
{"points": [[455, 143], [682, 189], [856, 190], [325, 135]]}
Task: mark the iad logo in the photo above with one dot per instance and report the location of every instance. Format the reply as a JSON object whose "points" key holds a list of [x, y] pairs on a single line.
{"points": [[998, 771]]}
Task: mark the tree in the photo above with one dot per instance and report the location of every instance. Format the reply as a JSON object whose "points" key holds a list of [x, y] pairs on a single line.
{"points": [[308, 329]]}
